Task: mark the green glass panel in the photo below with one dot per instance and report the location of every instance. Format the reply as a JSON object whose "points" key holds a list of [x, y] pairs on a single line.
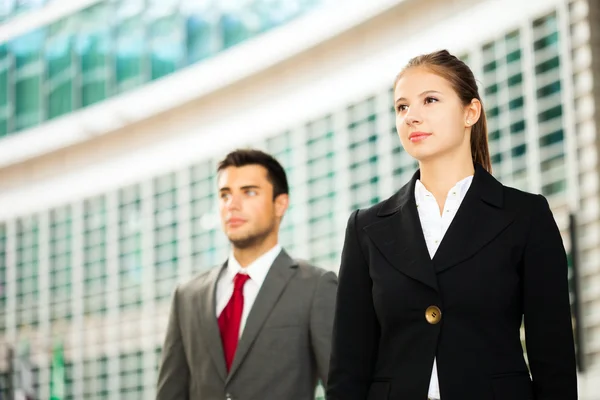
{"points": [[60, 100], [93, 92], [28, 102], [130, 47], [167, 46]]}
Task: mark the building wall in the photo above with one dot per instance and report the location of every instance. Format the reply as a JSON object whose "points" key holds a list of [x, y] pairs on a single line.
{"points": [[96, 235]]}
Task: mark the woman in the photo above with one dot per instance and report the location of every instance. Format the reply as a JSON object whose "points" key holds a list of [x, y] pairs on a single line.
{"points": [[419, 317]]}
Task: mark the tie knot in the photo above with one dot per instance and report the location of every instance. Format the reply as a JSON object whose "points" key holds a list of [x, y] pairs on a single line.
{"points": [[240, 280]]}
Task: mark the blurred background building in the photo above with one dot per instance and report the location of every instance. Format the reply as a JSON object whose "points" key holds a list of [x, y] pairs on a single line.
{"points": [[113, 114]]}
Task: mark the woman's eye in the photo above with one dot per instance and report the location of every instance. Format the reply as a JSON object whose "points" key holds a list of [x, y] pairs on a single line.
{"points": [[402, 107], [430, 100]]}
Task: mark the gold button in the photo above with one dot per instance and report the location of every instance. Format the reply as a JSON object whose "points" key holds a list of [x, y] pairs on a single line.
{"points": [[433, 315]]}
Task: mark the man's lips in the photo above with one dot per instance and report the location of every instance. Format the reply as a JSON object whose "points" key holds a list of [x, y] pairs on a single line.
{"points": [[235, 222]]}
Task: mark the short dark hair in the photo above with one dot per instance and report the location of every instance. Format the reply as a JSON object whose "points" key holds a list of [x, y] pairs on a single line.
{"points": [[275, 172]]}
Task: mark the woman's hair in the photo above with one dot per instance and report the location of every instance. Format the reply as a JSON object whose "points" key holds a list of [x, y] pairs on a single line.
{"points": [[460, 76]]}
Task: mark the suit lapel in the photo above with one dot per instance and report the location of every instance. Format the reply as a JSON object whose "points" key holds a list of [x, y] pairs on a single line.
{"points": [[208, 320], [399, 236], [480, 218], [280, 273]]}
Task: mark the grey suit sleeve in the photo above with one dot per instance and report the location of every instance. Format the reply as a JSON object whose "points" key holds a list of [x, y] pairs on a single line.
{"points": [[174, 373], [321, 322]]}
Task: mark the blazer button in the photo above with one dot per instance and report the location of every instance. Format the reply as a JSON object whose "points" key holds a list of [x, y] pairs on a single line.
{"points": [[433, 315]]}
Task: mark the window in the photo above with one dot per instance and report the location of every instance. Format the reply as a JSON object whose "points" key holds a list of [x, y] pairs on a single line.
{"points": [[93, 46], [132, 375], [550, 112], [321, 190], [208, 243], [548, 65], [517, 127], [282, 149], [95, 274], [237, 23], [513, 56], [130, 42], [2, 279], [548, 90], [27, 270], [165, 235], [130, 247], [60, 263], [95, 379], [554, 188], [519, 150], [547, 41], [363, 154], [5, 94], [516, 103], [166, 41], [29, 69], [202, 33], [59, 67], [552, 138]]}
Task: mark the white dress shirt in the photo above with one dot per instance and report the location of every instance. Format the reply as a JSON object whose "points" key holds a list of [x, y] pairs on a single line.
{"points": [[434, 228], [257, 270]]}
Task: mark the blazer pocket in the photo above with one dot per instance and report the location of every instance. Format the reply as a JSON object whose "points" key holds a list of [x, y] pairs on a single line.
{"points": [[379, 390], [512, 386]]}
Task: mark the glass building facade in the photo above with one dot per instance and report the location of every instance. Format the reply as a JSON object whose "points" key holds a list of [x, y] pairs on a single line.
{"points": [[114, 46], [95, 266]]}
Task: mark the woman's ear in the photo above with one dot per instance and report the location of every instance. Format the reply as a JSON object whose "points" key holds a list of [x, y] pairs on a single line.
{"points": [[472, 113]]}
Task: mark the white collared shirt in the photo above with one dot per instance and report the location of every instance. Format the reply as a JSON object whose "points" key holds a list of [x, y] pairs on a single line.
{"points": [[258, 272], [434, 228]]}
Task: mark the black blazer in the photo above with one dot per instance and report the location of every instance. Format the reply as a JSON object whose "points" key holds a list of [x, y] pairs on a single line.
{"points": [[501, 261]]}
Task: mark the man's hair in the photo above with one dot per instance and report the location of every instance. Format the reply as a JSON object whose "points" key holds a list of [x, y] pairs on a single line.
{"points": [[275, 172]]}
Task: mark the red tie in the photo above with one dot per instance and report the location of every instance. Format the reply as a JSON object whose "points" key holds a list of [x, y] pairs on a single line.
{"points": [[231, 317]]}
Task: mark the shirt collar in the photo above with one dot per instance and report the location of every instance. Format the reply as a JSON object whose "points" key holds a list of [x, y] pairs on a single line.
{"points": [[460, 188], [257, 270]]}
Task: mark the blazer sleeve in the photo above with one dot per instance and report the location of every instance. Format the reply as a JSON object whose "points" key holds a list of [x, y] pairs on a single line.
{"points": [[356, 328], [321, 322], [547, 315], [174, 373]]}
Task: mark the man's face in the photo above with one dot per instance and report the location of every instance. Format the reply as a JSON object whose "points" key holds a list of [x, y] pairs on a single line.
{"points": [[249, 214]]}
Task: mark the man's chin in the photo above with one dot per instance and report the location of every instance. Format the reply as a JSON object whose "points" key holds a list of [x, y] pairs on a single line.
{"points": [[241, 241]]}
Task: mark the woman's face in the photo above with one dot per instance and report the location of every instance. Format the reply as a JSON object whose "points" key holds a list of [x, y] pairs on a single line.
{"points": [[430, 118]]}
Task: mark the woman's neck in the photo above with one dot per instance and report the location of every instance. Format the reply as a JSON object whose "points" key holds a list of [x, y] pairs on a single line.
{"points": [[439, 177]]}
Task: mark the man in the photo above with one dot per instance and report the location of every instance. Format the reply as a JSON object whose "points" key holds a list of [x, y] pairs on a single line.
{"points": [[258, 327]]}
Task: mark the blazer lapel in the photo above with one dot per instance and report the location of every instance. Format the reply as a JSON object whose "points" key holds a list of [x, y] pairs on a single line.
{"points": [[282, 270], [208, 320], [480, 218], [399, 236]]}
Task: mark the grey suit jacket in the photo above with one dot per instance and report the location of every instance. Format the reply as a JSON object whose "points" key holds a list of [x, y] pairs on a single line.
{"points": [[284, 348]]}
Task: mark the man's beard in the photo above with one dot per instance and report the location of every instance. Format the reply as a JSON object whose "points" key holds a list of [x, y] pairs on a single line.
{"points": [[252, 239]]}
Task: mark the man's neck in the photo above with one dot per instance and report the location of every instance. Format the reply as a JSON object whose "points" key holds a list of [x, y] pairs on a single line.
{"points": [[247, 256]]}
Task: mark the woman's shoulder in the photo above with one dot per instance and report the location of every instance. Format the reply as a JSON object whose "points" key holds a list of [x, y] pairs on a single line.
{"points": [[519, 198], [367, 215]]}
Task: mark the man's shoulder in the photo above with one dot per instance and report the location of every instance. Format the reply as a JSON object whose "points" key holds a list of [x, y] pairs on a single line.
{"points": [[308, 270], [199, 280]]}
